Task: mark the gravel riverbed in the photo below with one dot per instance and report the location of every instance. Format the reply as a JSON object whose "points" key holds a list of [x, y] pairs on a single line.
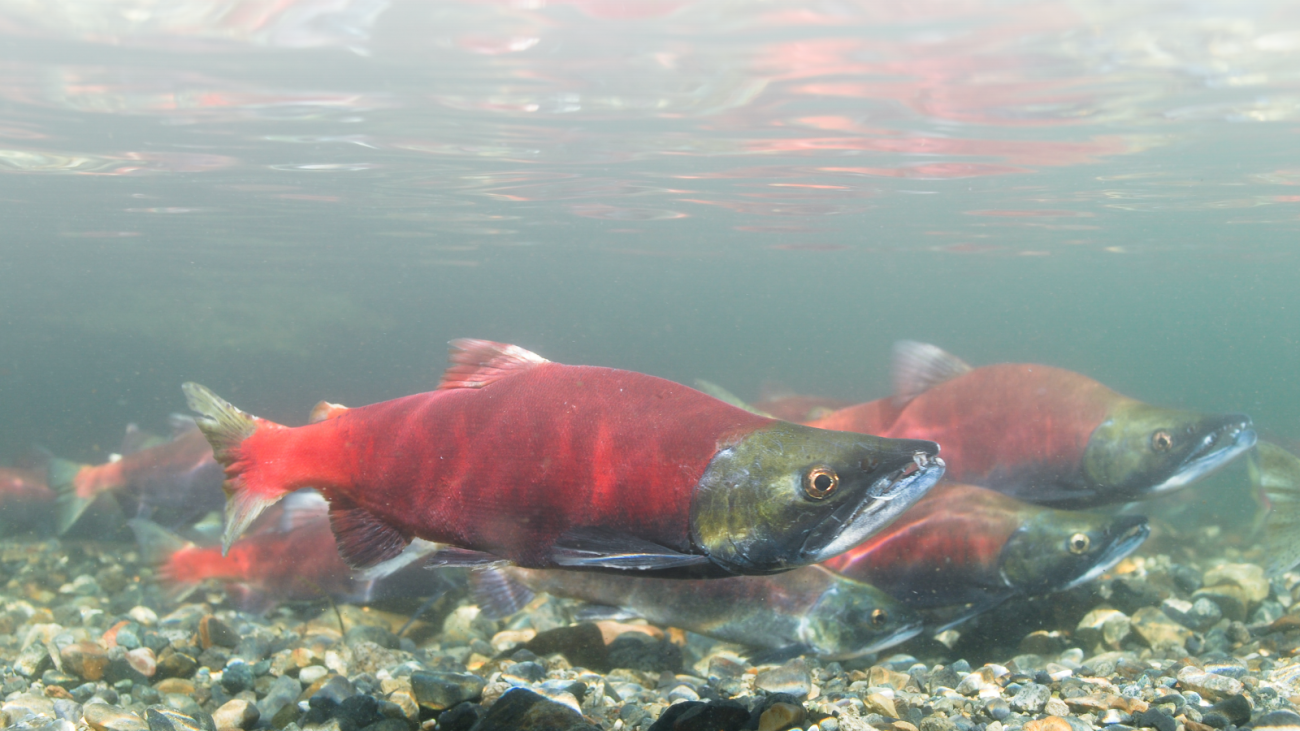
{"points": [[89, 639]]}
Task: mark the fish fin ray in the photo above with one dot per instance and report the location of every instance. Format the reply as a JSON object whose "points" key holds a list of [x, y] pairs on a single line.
{"points": [[476, 363], [588, 612], [181, 424], [497, 594], [324, 410], [69, 506], [596, 547], [417, 549], [918, 367], [727, 397], [301, 508], [363, 539], [156, 543], [451, 557], [779, 654], [226, 428]]}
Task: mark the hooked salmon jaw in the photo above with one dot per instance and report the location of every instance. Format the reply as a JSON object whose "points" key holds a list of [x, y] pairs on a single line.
{"points": [[853, 523], [1122, 546], [1215, 449]]}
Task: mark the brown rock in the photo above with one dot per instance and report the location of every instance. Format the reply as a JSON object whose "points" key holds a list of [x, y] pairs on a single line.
{"points": [[878, 675], [902, 726], [236, 713], [780, 716], [175, 685], [86, 659], [1051, 723], [58, 691], [213, 631], [1191, 725], [877, 703]]}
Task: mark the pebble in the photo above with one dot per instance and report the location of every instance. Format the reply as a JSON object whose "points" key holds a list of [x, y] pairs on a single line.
{"points": [[236, 713], [792, 678], [103, 717], [1031, 698], [312, 673], [439, 690]]}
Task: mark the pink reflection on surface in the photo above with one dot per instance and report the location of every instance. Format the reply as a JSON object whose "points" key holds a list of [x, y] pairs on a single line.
{"points": [[197, 25], [933, 171], [1043, 213]]}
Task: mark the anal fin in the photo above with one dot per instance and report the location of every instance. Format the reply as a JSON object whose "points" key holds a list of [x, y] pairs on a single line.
{"points": [[363, 538]]}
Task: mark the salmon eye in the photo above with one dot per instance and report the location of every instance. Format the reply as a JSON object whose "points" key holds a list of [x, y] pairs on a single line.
{"points": [[1161, 441], [879, 617], [1079, 542], [820, 482]]}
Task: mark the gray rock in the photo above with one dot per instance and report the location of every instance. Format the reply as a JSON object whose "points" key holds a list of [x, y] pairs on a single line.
{"points": [[439, 691], [1031, 698], [371, 633], [523, 710], [25, 706], [1204, 614], [792, 677], [67, 710], [337, 689], [1158, 630], [33, 660], [181, 704], [283, 690]]}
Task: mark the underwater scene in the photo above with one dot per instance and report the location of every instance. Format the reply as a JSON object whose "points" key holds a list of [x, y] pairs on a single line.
{"points": [[695, 365]]}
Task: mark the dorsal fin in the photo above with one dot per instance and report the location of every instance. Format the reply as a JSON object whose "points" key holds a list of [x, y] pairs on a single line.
{"points": [[324, 411], [918, 367], [476, 363], [727, 397]]}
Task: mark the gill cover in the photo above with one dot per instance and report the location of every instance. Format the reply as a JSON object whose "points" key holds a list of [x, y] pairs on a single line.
{"points": [[788, 495], [1059, 549], [1140, 450]]}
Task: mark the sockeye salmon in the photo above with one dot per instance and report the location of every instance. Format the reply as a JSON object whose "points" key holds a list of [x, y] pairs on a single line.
{"points": [[806, 611], [1044, 435], [546, 465], [287, 556], [176, 476], [26, 503], [963, 544]]}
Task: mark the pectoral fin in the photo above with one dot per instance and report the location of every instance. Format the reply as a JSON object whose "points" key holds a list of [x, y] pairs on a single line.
{"points": [[599, 548]]}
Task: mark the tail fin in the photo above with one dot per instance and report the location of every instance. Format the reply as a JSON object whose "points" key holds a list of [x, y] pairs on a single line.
{"points": [[226, 428], [157, 544], [69, 506]]}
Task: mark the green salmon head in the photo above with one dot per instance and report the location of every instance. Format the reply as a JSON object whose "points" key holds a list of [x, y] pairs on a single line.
{"points": [[1057, 550], [787, 495], [1141, 450], [852, 619]]}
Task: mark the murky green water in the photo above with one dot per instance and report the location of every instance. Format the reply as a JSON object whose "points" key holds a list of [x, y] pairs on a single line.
{"points": [[296, 201]]}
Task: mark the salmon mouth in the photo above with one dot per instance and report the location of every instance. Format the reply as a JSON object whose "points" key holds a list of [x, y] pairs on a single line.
{"points": [[887, 497], [1126, 542], [898, 636], [1214, 450]]}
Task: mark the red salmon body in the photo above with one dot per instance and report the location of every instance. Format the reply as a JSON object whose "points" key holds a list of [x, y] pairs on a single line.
{"points": [[520, 462], [1043, 434], [543, 465], [963, 544], [179, 477]]}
